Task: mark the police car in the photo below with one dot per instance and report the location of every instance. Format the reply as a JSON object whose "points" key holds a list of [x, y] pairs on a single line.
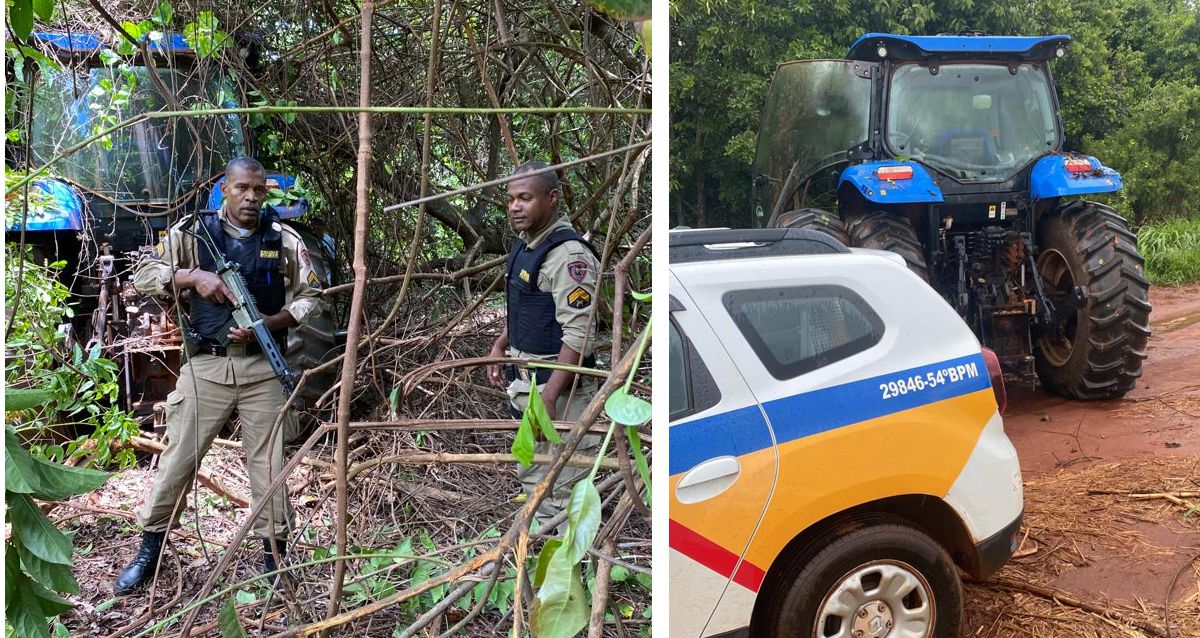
{"points": [[836, 445]]}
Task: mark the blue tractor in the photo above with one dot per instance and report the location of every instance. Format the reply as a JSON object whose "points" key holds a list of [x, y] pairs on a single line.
{"points": [[948, 150], [111, 201]]}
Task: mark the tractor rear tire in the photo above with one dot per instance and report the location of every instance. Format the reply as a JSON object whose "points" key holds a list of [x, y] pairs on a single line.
{"points": [[313, 342], [1098, 353], [815, 219], [886, 231]]}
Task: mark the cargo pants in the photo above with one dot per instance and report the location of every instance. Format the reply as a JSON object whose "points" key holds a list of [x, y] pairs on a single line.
{"points": [[569, 408], [196, 411]]}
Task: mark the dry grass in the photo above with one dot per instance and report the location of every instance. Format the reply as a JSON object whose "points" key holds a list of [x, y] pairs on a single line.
{"points": [[1082, 517]]}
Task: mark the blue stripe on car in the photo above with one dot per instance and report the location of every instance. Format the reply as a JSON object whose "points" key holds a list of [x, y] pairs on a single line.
{"points": [[742, 431]]}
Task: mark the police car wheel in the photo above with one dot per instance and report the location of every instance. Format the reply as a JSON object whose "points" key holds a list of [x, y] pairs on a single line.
{"points": [[876, 581]]}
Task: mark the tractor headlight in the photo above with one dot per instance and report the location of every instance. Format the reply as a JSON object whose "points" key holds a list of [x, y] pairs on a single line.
{"points": [[1059, 52], [882, 51]]}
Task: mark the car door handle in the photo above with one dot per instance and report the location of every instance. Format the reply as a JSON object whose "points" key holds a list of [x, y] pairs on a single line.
{"points": [[708, 479]]}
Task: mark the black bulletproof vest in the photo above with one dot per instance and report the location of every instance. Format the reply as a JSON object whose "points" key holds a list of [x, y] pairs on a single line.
{"points": [[532, 326], [261, 258]]}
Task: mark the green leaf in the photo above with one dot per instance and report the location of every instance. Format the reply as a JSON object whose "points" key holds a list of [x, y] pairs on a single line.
{"points": [[53, 575], [20, 17], [44, 9], [20, 399], [228, 621], [641, 296], [543, 561], [35, 531], [647, 37], [639, 458], [583, 516], [626, 409], [541, 417], [618, 574], [244, 597], [162, 14], [25, 474], [523, 446], [623, 9], [564, 611]]}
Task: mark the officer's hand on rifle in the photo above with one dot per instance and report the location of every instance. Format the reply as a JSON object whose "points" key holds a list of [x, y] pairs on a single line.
{"points": [[207, 285], [278, 321]]}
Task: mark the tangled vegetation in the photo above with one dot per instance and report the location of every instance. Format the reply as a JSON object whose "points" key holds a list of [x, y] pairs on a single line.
{"points": [[419, 528]]}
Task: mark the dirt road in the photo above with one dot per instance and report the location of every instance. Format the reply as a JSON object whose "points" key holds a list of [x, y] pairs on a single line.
{"points": [[1088, 541]]}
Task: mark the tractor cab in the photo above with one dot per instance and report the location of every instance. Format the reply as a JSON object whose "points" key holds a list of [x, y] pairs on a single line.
{"points": [[110, 201], [948, 150]]}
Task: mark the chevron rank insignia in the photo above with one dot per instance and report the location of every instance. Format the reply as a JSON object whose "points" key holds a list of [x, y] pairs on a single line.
{"points": [[313, 281], [579, 298]]}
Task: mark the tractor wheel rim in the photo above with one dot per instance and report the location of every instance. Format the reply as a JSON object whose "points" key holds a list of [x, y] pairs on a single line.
{"points": [[880, 599], [1058, 342]]}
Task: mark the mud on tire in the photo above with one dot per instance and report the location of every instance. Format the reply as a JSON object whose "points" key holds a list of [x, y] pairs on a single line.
{"points": [[1098, 353], [815, 219], [886, 231]]}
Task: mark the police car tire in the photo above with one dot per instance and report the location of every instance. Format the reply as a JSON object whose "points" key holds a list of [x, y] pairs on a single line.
{"points": [[865, 542], [815, 219], [1111, 331], [882, 230]]}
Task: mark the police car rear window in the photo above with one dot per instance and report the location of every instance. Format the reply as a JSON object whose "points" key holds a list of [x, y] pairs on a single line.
{"points": [[799, 329]]}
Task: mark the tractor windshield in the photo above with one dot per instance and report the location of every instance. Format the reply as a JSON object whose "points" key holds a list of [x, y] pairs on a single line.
{"points": [[815, 111], [973, 122], [153, 160]]}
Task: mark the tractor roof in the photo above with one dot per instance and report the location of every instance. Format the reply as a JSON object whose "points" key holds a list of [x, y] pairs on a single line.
{"points": [[90, 43], [920, 47]]}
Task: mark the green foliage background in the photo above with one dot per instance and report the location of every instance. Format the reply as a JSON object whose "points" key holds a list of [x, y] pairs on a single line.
{"points": [[1129, 86]]}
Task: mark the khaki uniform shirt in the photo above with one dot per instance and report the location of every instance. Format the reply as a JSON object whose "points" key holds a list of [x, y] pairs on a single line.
{"points": [[569, 272], [156, 276]]}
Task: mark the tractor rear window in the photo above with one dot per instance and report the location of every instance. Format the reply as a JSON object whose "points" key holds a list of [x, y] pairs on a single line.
{"points": [[973, 122], [799, 329]]}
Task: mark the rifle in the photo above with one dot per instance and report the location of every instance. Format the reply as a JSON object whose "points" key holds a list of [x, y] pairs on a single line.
{"points": [[246, 315]]}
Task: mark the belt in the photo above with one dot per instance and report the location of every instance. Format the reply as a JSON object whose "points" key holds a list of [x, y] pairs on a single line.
{"points": [[542, 375], [232, 350]]}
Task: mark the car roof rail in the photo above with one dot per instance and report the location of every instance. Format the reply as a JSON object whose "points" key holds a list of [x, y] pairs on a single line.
{"points": [[745, 243]]}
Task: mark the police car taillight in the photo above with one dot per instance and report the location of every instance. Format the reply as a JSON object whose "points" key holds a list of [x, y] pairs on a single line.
{"points": [[997, 376], [894, 172], [1077, 165]]}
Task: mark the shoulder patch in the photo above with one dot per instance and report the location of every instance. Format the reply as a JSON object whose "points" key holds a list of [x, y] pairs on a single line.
{"points": [[304, 259], [313, 281], [161, 249], [579, 298], [577, 270]]}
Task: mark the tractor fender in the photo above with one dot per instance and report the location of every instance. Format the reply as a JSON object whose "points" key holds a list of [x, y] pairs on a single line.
{"points": [[282, 182], [1049, 178], [920, 189], [62, 209]]}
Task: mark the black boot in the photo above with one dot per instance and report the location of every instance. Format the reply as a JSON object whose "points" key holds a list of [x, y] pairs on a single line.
{"points": [[269, 564], [141, 570]]}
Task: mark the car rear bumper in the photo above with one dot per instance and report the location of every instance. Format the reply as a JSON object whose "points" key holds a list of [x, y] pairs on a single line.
{"points": [[995, 550]]}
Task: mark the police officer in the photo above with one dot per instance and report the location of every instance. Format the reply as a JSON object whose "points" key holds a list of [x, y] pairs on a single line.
{"points": [[225, 371], [551, 286]]}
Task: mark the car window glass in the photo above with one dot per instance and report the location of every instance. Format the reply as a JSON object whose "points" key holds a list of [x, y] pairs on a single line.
{"points": [[679, 391], [799, 329]]}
